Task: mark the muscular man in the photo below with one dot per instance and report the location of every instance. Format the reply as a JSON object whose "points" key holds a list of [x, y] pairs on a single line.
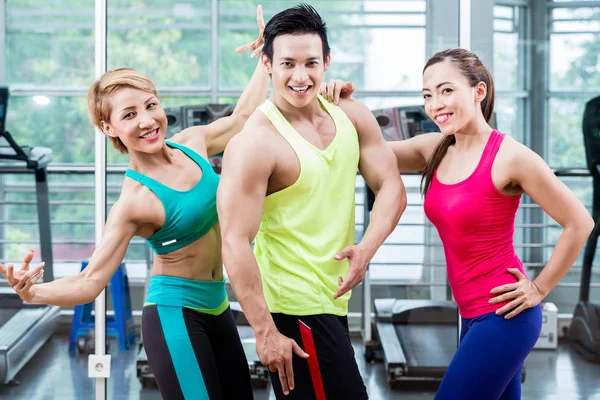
{"points": [[295, 165]]}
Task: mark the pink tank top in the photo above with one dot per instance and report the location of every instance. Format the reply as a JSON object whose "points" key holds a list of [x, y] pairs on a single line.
{"points": [[476, 223]]}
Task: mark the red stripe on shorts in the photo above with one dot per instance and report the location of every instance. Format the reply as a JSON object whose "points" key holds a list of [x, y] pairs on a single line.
{"points": [[313, 362]]}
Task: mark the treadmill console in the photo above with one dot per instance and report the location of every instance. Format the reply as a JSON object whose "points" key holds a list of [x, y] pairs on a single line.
{"points": [[4, 93], [10, 151], [401, 123], [182, 117]]}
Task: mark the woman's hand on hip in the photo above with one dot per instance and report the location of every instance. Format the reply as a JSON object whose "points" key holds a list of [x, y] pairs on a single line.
{"points": [[521, 295]]}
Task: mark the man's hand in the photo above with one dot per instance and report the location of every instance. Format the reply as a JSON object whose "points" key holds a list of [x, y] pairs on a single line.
{"points": [[336, 89], [358, 258], [276, 351], [22, 280], [257, 45]]}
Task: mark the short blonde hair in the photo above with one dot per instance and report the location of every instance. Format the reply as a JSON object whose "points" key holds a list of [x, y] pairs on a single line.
{"points": [[99, 93]]}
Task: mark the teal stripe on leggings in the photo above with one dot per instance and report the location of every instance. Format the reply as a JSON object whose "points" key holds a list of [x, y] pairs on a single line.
{"points": [[182, 353]]}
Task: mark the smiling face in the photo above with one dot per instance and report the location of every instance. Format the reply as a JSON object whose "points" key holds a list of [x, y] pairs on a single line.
{"points": [[137, 119], [297, 68], [450, 101]]}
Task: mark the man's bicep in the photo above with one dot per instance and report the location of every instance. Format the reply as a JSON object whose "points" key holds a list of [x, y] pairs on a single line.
{"points": [[242, 190], [377, 160]]}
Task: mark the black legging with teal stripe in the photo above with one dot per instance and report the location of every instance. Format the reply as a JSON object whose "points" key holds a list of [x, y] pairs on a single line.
{"points": [[192, 343]]}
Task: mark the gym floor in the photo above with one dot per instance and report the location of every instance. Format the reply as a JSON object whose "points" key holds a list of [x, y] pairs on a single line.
{"points": [[54, 374]]}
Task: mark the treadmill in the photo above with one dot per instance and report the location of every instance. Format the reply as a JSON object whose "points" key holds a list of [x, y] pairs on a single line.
{"points": [[584, 331], [416, 339], [24, 328]]}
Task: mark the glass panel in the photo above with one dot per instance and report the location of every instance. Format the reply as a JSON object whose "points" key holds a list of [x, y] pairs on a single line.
{"points": [[507, 75], [503, 12], [50, 43], [174, 101], [167, 40], [575, 13], [575, 62], [503, 25], [376, 103], [566, 138], [576, 26], [60, 123], [359, 37], [509, 61], [509, 117], [403, 255]]}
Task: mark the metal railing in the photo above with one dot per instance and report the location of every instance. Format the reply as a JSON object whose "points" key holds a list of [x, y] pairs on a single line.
{"points": [[17, 228]]}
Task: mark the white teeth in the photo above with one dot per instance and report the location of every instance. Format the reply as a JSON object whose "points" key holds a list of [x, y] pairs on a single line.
{"points": [[442, 118], [148, 135], [299, 89]]}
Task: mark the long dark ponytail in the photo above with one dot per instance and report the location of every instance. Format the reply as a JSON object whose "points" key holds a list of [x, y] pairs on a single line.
{"points": [[475, 72]]}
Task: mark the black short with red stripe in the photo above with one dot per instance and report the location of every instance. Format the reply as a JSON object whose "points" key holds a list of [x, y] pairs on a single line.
{"points": [[331, 371]]}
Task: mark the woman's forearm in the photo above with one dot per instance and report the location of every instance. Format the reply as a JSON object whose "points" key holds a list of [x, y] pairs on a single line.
{"points": [[566, 251], [69, 291]]}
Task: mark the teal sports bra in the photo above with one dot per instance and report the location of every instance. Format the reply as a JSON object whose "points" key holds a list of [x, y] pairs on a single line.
{"points": [[189, 214]]}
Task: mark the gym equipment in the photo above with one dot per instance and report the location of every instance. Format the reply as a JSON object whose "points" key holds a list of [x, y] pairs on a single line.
{"points": [[24, 328], [416, 339], [182, 117], [584, 331], [120, 325]]}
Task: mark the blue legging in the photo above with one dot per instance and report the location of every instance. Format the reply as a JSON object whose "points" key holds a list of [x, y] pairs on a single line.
{"points": [[489, 360]]}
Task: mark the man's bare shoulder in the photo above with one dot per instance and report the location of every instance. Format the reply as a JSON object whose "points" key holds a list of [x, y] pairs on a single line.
{"points": [[258, 133], [354, 109], [259, 123], [250, 155]]}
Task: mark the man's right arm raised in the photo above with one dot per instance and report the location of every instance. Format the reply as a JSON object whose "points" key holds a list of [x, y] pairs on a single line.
{"points": [[247, 166]]}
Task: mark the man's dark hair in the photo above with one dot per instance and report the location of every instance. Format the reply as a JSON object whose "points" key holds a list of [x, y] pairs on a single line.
{"points": [[299, 20]]}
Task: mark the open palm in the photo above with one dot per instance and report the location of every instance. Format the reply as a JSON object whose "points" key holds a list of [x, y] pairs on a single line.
{"points": [[22, 280], [257, 45]]}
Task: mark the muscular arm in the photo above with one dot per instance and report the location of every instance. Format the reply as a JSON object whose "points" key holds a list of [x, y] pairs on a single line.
{"points": [[378, 167], [551, 194], [218, 133], [412, 154], [240, 199], [248, 164], [85, 286]]}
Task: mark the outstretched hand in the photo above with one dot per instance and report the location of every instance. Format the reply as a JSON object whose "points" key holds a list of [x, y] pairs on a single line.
{"points": [[524, 294], [358, 258], [257, 45], [336, 89], [22, 280]]}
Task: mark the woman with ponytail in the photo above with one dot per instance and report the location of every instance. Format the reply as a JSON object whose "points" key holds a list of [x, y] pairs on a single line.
{"points": [[473, 180]]}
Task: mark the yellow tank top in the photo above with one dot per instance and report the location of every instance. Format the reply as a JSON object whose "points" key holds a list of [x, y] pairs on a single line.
{"points": [[306, 224]]}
